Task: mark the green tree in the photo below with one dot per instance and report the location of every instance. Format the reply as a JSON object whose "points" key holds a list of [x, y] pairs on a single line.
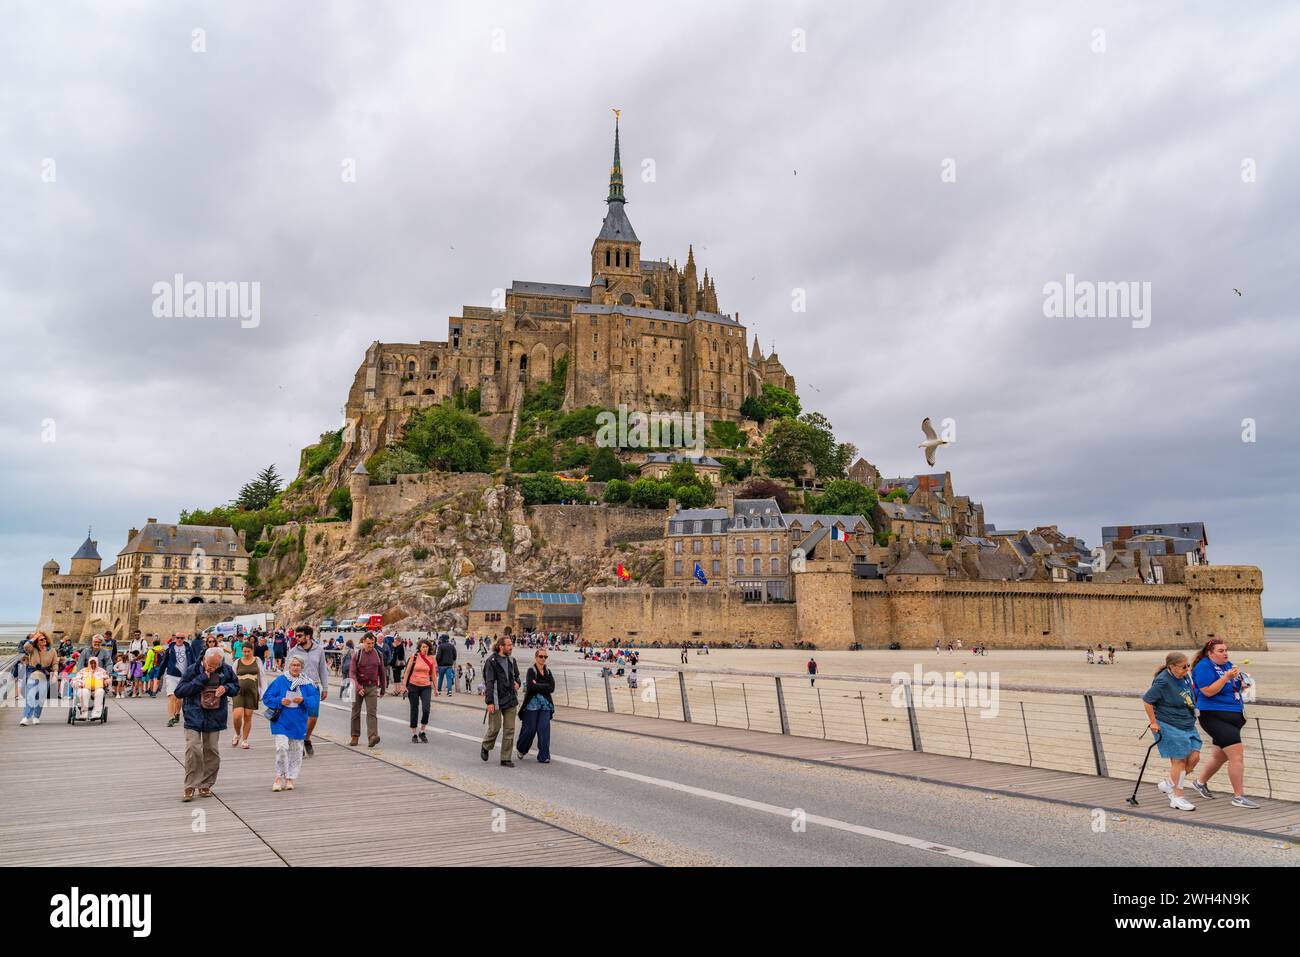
{"points": [[780, 403], [605, 466], [649, 493], [259, 493], [386, 464], [544, 490], [617, 492], [897, 495], [446, 438], [766, 488], [844, 497], [726, 435]]}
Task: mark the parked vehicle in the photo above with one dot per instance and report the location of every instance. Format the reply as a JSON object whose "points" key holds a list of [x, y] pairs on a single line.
{"points": [[369, 622], [328, 625], [346, 624]]}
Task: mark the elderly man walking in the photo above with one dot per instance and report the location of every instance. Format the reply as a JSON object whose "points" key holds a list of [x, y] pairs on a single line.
{"points": [[369, 681], [203, 692], [501, 691]]}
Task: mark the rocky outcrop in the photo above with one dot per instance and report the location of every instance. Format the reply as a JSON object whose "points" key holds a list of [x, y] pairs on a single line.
{"points": [[420, 567]]}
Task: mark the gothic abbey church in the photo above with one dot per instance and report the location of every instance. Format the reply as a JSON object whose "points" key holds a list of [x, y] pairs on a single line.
{"points": [[643, 333]]}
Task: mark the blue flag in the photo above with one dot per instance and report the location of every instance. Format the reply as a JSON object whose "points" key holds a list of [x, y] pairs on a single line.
{"points": [[699, 574]]}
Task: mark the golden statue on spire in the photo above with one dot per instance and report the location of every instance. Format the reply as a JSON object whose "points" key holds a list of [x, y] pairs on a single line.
{"points": [[616, 112]]}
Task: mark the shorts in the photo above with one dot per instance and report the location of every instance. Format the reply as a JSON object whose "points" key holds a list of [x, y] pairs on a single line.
{"points": [[169, 683], [1177, 742], [1223, 727]]}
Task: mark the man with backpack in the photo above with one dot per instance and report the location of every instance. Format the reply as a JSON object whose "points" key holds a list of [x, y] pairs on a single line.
{"points": [[500, 691], [446, 658]]}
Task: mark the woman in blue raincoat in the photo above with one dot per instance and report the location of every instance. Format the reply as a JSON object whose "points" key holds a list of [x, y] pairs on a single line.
{"points": [[293, 695]]}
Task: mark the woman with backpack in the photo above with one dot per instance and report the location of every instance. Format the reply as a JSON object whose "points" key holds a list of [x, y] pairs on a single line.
{"points": [[418, 678]]}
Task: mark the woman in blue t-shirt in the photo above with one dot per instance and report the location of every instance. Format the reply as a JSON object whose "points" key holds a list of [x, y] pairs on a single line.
{"points": [[1218, 697], [1171, 713]]}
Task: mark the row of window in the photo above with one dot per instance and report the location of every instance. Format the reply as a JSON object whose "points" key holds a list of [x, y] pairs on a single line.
{"points": [[756, 545], [756, 567]]}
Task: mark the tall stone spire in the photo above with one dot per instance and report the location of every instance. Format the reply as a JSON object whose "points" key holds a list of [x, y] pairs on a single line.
{"points": [[616, 171]]}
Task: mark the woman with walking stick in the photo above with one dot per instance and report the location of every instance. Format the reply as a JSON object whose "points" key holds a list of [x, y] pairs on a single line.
{"points": [[1171, 714]]}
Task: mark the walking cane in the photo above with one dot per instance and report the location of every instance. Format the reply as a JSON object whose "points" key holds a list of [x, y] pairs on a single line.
{"points": [[1155, 739]]}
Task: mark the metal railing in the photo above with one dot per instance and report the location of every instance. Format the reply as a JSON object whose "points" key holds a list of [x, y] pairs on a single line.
{"points": [[1077, 730]]}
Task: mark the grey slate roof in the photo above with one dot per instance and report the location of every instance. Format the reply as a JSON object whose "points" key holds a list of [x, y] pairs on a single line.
{"points": [[713, 521], [488, 597], [597, 309], [910, 513], [806, 520], [88, 550], [655, 265], [616, 225], [756, 513], [1173, 529], [156, 539], [555, 289], [671, 458], [914, 563], [110, 570]]}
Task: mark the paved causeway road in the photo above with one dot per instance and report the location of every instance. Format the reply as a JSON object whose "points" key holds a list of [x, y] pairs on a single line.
{"points": [[679, 803]]}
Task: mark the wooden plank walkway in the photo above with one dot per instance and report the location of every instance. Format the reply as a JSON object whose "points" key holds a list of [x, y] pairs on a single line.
{"points": [[87, 795], [1273, 819]]}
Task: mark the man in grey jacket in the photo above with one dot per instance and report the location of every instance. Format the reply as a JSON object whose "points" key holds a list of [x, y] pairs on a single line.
{"points": [[96, 649], [315, 667]]}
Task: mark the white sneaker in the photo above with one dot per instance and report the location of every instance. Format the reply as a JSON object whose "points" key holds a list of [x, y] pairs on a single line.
{"points": [[22, 722], [1181, 803], [36, 720], [1165, 787]]}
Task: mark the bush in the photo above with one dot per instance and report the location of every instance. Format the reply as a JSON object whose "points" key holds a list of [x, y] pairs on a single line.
{"points": [[577, 423], [766, 488], [419, 553], [844, 497], [544, 490], [316, 458], [735, 470], [341, 501], [617, 492], [367, 526], [945, 543], [443, 437], [650, 493], [726, 435]]}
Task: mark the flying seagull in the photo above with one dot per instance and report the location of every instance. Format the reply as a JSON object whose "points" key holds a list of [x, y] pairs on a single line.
{"points": [[932, 441], [1236, 290]]}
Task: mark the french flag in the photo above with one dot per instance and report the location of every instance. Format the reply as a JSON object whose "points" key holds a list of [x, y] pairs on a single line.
{"points": [[837, 535]]}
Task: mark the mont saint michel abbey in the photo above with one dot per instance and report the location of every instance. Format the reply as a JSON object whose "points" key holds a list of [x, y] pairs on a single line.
{"points": [[644, 333]]}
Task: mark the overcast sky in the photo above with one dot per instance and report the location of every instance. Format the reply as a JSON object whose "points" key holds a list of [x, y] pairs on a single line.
{"points": [[481, 136]]}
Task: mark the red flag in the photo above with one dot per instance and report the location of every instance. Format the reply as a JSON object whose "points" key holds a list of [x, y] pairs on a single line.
{"points": [[621, 572]]}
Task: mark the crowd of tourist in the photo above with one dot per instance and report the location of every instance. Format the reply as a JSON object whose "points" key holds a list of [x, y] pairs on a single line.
{"points": [[215, 682]]}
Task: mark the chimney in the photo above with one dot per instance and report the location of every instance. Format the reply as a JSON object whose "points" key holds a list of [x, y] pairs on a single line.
{"points": [[172, 530], [241, 538], [672, 507], [151, 521], [130, 535]]}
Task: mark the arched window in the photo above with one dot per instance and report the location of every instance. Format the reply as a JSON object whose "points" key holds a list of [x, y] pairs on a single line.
{"points": [[606, 257], [410, 365]]}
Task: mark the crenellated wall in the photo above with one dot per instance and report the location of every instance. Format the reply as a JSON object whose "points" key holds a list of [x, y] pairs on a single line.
{"points": [[833, 610], [672, 615]]}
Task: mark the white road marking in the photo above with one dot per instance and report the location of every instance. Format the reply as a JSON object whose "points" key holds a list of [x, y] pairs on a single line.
{"points": [[975, 857]]}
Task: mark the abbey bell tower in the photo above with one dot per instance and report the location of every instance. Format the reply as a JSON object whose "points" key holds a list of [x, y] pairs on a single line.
{"points": [[616, 253]]}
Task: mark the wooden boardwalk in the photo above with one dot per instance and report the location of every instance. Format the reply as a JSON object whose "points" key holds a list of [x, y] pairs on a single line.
{"points": [[87, 795], [1273, 819]]}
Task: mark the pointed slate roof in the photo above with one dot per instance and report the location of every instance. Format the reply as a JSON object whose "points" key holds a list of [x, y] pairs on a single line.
{"points": [[88, 550], [616, 225], [914, 563]]}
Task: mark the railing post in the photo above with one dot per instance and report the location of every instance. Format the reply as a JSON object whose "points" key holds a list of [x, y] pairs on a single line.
{"points": [[609, 696], [911, 718], [1264, 754], [1098, 753], [780, 707], [686, 701]]}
